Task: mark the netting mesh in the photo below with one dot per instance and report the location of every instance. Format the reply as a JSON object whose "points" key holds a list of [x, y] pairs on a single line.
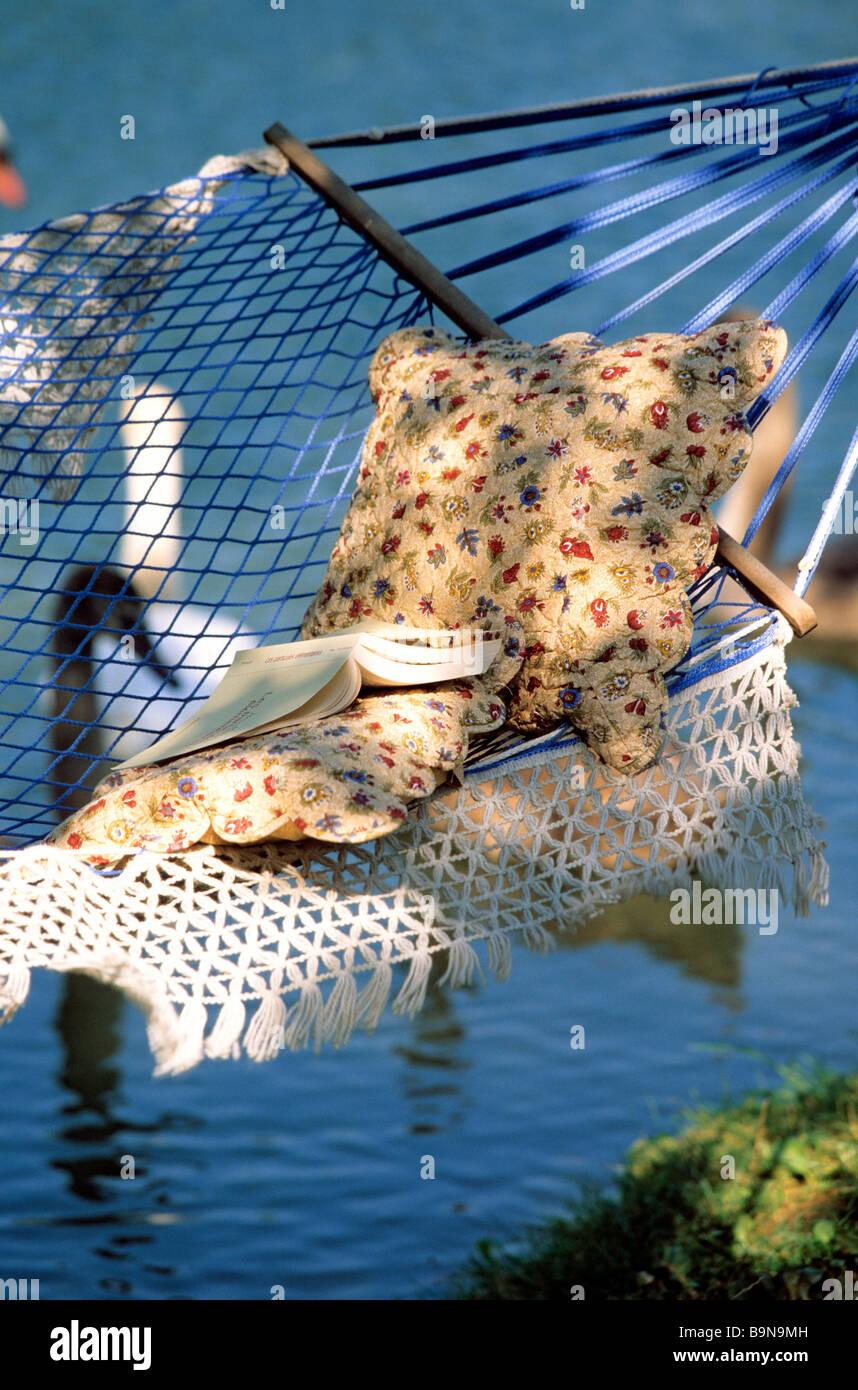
{"points": [[246, 301]]}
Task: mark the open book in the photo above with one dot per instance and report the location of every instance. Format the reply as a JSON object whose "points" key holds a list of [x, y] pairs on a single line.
{"points": [[271, 688]]}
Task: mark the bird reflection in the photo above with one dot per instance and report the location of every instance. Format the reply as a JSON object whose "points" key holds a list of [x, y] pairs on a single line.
{"points": [[88, 1022], [95, 1136], [434, 1061]]}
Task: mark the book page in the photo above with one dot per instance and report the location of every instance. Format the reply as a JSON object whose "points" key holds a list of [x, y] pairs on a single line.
{"points": [[340, 692], [396, 641], [249, 697], [264, 686], [384, 663], [295, 654]]}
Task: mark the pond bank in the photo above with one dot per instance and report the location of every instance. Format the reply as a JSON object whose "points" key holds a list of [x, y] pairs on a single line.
{"points": [[752, 1201]]}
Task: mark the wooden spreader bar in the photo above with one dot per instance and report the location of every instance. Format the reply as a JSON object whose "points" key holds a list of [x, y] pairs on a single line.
{"points": [[413, 266]]}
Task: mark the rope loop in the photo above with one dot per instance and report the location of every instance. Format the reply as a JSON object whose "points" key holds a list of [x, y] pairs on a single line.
{"points": [[755, 84], [841, 103]]}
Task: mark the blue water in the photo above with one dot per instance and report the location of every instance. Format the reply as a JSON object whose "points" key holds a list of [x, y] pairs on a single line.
{"points": [[306, 1172]]}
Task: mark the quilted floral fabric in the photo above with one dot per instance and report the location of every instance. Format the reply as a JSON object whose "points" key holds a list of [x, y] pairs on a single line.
{"points": [[565, 486], [347, 778]]}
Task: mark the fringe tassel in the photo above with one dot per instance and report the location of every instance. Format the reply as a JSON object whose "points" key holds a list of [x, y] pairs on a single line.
{"points": [[183, 1047], [499, 956], [819, 875], [339, 1015], [800, 898], [710, 867], [536, 938], [225, 1038], [305, 1014], [373, 997], [735, 870], [265, 1032], [14, 988], [769, 877], [164, 1036], [463, 964], [412, 995]]}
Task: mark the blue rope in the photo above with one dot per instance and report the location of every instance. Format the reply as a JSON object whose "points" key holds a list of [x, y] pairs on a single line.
{"points": [[813, 554], [607, 174], [808, 428], [724, 206], [743, 282], [843, 100], [783, 248], [755, 84], [826, 75], [664, 192], [803, 277], [593, 139], [801, 351]]}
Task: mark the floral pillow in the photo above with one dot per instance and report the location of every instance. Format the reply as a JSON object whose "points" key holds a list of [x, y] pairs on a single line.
{"points": [[564, 487], [347, 778]]}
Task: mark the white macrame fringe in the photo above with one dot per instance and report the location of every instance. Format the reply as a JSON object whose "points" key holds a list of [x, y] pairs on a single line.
{"points": [[290, 946], [14, 988]]}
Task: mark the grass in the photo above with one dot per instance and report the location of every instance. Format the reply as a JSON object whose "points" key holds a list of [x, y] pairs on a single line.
{"points": [[674, 1228]]}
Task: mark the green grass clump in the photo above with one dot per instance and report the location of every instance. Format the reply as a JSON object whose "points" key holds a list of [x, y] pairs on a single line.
{"points": [[676, 1229]]}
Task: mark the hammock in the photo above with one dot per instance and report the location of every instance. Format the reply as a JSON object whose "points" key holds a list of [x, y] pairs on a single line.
{"points": [[256, 305]]}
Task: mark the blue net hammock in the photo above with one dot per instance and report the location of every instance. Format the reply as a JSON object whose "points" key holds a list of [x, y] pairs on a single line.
{"points": [[244, 310]]}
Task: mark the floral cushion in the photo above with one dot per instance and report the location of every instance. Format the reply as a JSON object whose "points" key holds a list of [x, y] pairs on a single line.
{"points": [[347, 778], [565, 486]]}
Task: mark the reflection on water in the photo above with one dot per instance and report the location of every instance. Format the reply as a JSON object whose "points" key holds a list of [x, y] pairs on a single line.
{"points": [[98, 1141], [435, 1068], [306, 1176], [88, 1022], [699, 953]]}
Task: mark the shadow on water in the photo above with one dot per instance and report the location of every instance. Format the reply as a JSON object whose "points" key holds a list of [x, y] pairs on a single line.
{"points": [[88, 1022], [434, 1062], [98, 1141], [713, 957]]}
